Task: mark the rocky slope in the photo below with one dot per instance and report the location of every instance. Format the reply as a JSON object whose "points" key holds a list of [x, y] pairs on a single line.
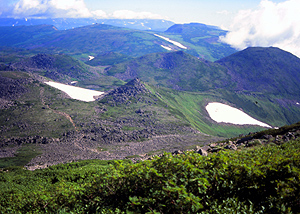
{"points": [[129, 121]]}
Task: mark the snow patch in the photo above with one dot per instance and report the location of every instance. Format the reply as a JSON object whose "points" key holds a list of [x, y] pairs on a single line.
{"points": [[171, 41], [76, 93], [224, 113], [73, 82], [91, 57], [297, 103], [167, 48]]}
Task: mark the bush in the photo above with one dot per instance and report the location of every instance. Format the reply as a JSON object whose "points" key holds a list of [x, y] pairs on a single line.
{"points": [[256, 180]]}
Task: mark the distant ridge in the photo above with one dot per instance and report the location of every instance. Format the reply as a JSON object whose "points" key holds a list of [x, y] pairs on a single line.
{"points": [[69, 23]]}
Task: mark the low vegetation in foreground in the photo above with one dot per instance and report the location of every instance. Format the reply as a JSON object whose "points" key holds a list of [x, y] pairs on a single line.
{"points": [[259, 179]]}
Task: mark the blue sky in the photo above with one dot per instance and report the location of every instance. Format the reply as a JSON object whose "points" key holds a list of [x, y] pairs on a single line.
{"points": [[249, 22], [215, 12]]}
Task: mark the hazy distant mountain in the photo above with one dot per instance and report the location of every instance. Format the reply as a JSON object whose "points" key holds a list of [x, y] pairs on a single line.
{"points": [[88, 40], [99, 39], [69, 23], [11, 36]]}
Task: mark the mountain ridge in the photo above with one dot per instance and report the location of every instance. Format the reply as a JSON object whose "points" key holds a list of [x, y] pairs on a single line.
{"points": [[69, 23], [264, 70], [98, 39]]}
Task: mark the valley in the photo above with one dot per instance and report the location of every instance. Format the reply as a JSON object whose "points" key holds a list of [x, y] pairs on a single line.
{"points": [[108, 92], [115, 119]]}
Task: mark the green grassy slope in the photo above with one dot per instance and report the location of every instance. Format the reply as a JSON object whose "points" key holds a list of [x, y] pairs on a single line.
{"points": [[39, 112]]}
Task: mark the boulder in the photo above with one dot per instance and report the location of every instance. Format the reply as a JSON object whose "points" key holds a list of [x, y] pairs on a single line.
{"points": [[231, 147], [202, 152]]}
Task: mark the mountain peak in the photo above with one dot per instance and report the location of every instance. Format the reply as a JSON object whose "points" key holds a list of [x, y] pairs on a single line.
{"points": [[124, 93], [131, 89], [268, 70]]}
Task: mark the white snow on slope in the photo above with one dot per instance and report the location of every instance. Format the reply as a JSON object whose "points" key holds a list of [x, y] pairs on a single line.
{"points": [[76, 93], [171, 41], [91, 57], [223, 113], [167, 48]]}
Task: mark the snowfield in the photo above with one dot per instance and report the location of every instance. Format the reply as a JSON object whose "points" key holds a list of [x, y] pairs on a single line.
{"points": [[171, 41], [167, 48], [223, 113], [91, 57], [76, 93]]}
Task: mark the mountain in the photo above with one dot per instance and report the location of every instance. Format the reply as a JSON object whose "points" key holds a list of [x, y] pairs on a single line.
{"points": [[10, 36], [99, 39], [69, 23], [84, 41], [66, 69], [154, 99], [264, 70], [182, 72], [177, 70], [126, 121], [202, 40], [152, 104], [56, 67], [109, 58]]}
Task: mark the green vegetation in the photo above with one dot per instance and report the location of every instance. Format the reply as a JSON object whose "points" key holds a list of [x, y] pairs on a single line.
{"points": [[109, 58], [261, 179], [190, 107], [29, 116], [177, 70], [99, 39]]}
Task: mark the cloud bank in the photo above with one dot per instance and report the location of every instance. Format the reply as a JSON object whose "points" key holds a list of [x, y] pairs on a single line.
{"points": [[271, 24], [50, 8], [64, 9]]}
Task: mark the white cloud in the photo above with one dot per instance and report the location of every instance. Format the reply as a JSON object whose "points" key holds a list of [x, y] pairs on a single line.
{"points": [[128, 14], [66, 9], [99, 14], [271, 24], [74, 8], [50, 8]]}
